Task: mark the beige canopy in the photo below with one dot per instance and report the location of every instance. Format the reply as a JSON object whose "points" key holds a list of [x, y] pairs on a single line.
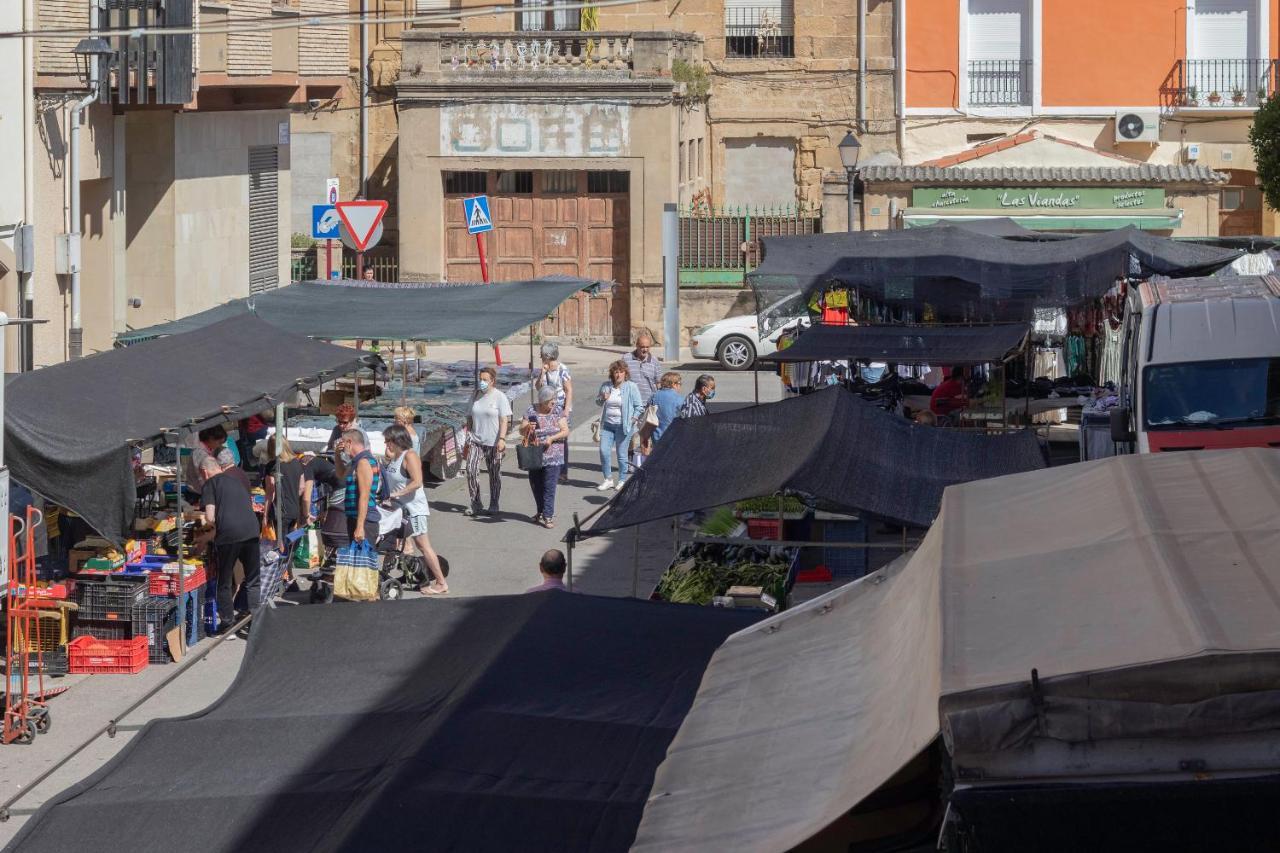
{"points": [[1143, 590]]}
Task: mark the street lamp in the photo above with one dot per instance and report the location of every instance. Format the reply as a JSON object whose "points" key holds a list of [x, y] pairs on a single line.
{"points": [[91, 54], [850, 149]]}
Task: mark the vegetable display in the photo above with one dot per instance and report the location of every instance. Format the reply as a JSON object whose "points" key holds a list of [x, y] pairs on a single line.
{"points": [[705, 571], [790, 504]]}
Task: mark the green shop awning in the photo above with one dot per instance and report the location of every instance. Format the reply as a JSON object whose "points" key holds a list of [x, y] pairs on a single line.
{"points": [[1148, 219]]}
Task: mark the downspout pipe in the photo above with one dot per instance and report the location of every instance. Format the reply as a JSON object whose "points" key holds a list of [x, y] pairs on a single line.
{"points": [[75, 335], [862, 66], [26, 293]]}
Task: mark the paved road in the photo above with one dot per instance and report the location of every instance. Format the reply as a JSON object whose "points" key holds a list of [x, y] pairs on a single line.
{"points": [[487, 557]]}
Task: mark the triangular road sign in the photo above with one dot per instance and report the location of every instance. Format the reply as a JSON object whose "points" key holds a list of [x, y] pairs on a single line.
{"points": [[361, 219]]}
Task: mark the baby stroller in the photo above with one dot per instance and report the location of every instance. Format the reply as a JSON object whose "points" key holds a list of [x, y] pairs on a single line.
{"points": [[390, 522]]}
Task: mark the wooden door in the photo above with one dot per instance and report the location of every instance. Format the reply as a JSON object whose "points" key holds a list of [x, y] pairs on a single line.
{"points": [[551, 224]]}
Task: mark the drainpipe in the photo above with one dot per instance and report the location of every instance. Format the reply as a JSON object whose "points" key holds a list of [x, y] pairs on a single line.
{"points": [[900, 79], [26, 292], [75, 335], [362, 191], [862, 66]]}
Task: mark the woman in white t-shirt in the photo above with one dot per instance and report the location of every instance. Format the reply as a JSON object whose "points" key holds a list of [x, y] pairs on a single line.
{"points": [[555, 375], [486, 440]]}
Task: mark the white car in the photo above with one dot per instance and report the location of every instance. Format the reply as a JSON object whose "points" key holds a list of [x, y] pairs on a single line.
{"points": [[735, 341]]}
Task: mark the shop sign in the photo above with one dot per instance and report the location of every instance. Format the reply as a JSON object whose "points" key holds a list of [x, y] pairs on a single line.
{"points": [[1016, 199]]}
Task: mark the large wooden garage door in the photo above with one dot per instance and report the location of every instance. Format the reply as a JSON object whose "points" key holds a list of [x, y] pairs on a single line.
{"points": [[549, 223]]}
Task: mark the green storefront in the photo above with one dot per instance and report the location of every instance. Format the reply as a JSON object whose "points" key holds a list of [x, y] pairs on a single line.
{"points": [[1046, 208]]}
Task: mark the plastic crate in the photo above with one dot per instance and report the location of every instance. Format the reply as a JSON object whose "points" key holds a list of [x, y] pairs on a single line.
{"points": [[845, 562], [764, 528], [102, 629], [53, 662], [166, 584], [153, 619], [89, 656], [110, 598]]}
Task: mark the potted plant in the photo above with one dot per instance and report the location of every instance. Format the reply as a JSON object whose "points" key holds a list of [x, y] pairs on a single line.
{"points": [[1237, 96], [1262, 95], [1191, 96], [1215, 98]]}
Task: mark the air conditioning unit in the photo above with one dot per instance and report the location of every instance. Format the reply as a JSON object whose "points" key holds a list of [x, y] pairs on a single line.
{"points": [[1138, 127]]}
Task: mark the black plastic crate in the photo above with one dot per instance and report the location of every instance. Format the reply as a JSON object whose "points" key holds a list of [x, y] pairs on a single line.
{"points": [[102, 629], [54, 662], [153, 619], [110, 598]]}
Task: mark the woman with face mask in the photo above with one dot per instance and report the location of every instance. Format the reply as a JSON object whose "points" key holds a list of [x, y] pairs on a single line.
{"points": [[486, 440]]}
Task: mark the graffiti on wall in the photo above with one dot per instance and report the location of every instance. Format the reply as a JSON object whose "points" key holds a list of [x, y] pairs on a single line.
{"points": [[535, 130]]}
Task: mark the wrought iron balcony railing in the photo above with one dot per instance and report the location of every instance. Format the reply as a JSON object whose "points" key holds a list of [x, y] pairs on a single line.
{"points": [[1000, 82], [1219, 83]]}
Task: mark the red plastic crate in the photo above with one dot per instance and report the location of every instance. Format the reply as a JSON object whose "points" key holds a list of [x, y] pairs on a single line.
{"points": [[764, 528], [163, 583], [87, 655]]}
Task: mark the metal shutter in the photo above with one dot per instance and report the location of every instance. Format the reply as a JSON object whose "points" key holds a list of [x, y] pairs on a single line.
{"points": [[997, 29], [264, 219]]}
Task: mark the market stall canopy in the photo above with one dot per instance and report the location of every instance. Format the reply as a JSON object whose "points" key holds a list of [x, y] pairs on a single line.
{"points": [[830, 445], [942, 345], [68, 427], [954, 268], [1127, 583], [502, 723], [396, 312]]}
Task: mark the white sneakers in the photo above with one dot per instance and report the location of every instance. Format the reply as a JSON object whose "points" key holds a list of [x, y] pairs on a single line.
{"points": [[606, 485]]}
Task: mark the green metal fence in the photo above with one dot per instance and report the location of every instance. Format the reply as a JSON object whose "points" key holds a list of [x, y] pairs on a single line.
{"points": [[308, 265], [718, 245]]}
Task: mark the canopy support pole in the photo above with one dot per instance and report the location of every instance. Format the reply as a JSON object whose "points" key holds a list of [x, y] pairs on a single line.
{"points": [[182, 547], [281, 438], [755, 373], [475, 374], [404, 372], [533, 397], [571, 540]]}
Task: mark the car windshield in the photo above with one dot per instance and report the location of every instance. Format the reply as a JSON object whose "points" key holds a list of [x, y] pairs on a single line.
{"points": [[1237, 391]]}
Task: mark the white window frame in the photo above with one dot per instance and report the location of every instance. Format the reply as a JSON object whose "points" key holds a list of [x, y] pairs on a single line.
{"points": [[1263, 46], [1035, 8]]}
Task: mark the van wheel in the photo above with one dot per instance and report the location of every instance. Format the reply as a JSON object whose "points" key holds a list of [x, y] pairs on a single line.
{"points": [[736, 353]]}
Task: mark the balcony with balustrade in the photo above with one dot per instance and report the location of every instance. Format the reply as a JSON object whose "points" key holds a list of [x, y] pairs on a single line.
{"points": [[551, 62], [1000, 83], [1219, 85]]}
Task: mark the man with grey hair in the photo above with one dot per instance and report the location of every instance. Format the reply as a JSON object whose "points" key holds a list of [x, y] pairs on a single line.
{"points": [[556, 376], [362, 478], [645, 368]]}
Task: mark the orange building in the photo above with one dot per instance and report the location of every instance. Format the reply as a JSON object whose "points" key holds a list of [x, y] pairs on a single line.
{"points": [[1154, 97]]}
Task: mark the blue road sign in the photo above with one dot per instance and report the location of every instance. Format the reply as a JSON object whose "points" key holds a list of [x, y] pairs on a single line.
{"points": [[325, 222], [477, 210]]}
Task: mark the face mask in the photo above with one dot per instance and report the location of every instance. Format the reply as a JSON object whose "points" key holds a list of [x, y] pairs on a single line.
{"points": [[711, 396], [483, 385]]}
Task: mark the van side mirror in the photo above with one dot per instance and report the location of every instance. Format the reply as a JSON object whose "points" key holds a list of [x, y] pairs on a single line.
{"points": [[1120, 432]]}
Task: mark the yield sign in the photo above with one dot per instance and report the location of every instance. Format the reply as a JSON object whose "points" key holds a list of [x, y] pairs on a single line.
{"points": [[361, 219]]}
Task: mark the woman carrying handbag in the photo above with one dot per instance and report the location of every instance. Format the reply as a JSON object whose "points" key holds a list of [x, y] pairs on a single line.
{"points": [[542, 453]]}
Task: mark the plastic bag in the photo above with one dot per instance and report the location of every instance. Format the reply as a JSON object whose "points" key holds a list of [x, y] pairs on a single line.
{"points": [[308, 554], [356, 575]]}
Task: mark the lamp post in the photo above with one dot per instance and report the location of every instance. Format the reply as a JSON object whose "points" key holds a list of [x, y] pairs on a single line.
{"points": [[850, 149]]}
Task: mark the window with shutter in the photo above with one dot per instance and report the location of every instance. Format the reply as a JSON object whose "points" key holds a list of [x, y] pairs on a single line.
{"points": [[999, 47], [264, 219], [1224, 50]]}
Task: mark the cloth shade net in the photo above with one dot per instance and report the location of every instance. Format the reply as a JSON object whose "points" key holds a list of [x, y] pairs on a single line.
{"points": [[79, 457], [394, 312], [1142, 589], [981, 274], [829, 445], [502, 723], [942, 345]]}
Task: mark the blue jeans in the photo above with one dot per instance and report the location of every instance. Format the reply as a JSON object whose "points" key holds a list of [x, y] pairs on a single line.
{"points": [[613, 441], [543, 483]]}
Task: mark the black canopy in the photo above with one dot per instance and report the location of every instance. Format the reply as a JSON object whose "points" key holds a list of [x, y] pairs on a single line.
{"points": [[966, 270], [397, 312], [501, 723], [68, 426], [830, 445], [947, 345]]}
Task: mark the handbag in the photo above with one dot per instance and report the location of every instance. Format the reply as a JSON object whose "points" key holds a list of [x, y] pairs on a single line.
{"points": [[595, 430], [651, 415], [529, 457], [307, 554], [356, 576]]}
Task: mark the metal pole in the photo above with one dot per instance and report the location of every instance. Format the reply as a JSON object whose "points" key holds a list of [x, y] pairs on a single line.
{"points": [[671, 283], [862, 68], [533, 397], [364, 97], [573, 538], [182, 545], [280, 440], [852, 175], [755, 372]]}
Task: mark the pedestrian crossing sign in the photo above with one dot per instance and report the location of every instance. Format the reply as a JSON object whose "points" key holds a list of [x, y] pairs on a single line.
{"points": [[477, 212]]}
